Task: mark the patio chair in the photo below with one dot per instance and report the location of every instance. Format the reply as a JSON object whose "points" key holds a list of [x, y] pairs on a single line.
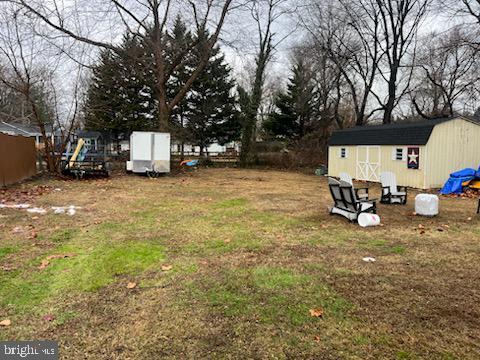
{"points": [[360, 193], [391, 193], [345, 201]]}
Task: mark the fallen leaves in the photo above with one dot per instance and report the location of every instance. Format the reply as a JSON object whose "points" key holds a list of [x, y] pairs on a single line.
{"points": [[420, 227], [46, 261], [5, 322], [60, 256], [166, 267], [18, 195], [131, 285], [316, 312]]}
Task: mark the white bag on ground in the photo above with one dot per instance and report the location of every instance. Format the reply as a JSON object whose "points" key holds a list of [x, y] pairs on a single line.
{"points": [[426, 204]]}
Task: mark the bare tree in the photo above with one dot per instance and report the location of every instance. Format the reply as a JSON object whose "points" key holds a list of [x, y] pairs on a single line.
{"points": [[148, 19], [23, 72], [348, 32], [450, 72], [469, 8], [465, 13], [265, 14], [331, 92], [400, 20]]}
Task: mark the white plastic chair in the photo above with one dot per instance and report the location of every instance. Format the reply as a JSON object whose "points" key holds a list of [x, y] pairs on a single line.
{"points": [[361, 193], [391, 193]]}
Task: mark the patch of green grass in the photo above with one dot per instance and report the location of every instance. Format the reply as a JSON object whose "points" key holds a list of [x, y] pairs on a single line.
{"points": [[403, 354], [65, 316], [400, 250], [4, 251], [372, 243], [231, 203], [63, 235], [361, 340], [229, 301], [88, 270], [382, 245], [94, 269], [277, 278], [271, 295], [448, 356]]}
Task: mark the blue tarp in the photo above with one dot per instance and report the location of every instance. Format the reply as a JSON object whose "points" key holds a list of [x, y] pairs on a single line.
{"points": [[192, 163], [454, 183]]}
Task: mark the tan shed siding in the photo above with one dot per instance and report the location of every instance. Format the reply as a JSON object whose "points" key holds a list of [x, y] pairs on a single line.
{"points": [[405, 176], [336, 164], [453, 145]]}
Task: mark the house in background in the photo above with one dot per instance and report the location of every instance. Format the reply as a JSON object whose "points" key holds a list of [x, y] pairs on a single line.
{"points": [[421, 154], [25, 130], [215, 149]]}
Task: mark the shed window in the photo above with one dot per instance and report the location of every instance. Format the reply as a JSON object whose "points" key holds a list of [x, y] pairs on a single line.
{"points": [[399, 154], [343, 153]]}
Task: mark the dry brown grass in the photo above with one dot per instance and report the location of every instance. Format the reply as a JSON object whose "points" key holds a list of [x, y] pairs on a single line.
{"points": [[252, 251]]}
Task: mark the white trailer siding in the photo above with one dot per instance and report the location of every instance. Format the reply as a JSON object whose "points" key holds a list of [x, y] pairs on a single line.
{"points": [[149, 152]]}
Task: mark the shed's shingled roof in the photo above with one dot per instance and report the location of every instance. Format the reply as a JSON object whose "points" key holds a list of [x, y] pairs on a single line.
{"points": [[416, 133]]}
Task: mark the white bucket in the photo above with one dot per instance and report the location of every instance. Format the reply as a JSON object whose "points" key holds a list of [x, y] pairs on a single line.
{"points": [[365, 220]]}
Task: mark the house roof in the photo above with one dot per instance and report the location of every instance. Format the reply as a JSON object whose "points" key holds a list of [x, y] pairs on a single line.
{"points": [[13, 129], [21, 129], [415, 133], [89, 134]]}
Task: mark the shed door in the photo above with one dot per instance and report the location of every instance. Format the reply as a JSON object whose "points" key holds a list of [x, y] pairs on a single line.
{"points": [[368, 163]]}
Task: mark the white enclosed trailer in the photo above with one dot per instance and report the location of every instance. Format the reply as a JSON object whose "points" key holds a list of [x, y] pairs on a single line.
{"points": [[149, 153]]}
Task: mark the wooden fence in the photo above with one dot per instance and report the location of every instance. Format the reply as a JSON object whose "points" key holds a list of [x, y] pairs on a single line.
{"points": [[17, 158]]}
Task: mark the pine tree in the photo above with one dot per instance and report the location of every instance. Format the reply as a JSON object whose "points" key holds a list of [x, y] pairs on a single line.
{"points": [[120, 97], [179, 42], [212, 115], [295, 114]]}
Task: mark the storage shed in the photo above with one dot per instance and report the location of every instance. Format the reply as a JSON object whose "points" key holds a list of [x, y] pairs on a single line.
{"points": [[421, 154]]}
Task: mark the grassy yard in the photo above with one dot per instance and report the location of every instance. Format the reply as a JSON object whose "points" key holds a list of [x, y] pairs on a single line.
{"points": [[229, 263]]}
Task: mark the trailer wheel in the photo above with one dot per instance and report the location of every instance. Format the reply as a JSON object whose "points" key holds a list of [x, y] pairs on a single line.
{"points": [[152, 174]]}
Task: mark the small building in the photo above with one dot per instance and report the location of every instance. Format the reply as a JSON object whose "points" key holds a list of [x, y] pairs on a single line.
{"points": [[421, 154], [27, 131]]}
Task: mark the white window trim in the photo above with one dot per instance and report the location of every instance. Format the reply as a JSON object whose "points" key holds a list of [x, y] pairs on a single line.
{"points": [[404, 153]]}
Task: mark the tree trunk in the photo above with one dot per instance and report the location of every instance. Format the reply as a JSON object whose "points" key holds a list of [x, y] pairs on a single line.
{"points": [[248, 154], [392, 94], [163, 117]]}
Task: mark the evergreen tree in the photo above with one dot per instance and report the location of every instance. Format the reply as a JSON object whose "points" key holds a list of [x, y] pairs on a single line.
{"points": [[120, 98], [212, 115], [179, 42], [295, 114]]}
